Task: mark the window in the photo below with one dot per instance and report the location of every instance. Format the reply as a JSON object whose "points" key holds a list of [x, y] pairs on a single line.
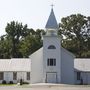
{"points": [[78, 75], [14, 75], [51, 62], [51, 47], [1, 75], [28, 75]]}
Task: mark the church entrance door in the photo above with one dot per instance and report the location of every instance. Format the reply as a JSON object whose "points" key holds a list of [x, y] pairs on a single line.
{"points": [[51, 77]]}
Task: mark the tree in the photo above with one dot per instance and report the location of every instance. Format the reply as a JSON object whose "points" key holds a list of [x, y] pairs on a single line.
{"points": [[4, 47], [31, 42], [73, 28], [15, 31], [23, 41]]}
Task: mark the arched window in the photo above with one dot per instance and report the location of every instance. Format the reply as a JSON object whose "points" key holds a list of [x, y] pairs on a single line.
{"points": [[51, 47]]}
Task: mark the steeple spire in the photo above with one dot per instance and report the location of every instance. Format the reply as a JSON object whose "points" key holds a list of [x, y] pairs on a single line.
{"points": [[51, 25]]}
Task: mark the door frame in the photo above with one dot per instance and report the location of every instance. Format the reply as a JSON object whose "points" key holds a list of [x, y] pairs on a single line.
{"points": [[51, 72]]}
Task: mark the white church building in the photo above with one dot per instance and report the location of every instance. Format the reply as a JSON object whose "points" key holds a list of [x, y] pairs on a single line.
{"points": [[50, 64]]}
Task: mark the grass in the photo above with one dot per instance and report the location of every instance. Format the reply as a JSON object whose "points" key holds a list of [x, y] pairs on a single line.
{"points": [[7, 84]]}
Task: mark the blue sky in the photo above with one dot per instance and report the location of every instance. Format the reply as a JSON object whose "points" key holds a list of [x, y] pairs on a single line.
{"points": [[36, 12]]}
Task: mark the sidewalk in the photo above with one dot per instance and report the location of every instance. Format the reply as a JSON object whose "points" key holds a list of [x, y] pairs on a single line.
{"points": [[56, 85]]}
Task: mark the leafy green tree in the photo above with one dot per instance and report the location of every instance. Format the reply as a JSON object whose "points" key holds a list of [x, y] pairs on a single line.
{"points": [[23, 41], [29, 45], [15, 31], [73, 28], [4, 47], [31, 42]]}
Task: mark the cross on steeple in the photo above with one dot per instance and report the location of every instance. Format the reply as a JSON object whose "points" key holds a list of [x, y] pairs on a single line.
{"points": [[52, 5]]}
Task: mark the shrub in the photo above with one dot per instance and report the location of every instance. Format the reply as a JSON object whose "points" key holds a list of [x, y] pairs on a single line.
{"points": [[21, 81], [4, 82], [25, 82], [10, 82]]}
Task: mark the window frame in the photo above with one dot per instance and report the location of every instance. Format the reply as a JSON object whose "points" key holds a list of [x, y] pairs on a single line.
{"points": [[1, 75], [78, 75], [51, 47], [51, 62], [28, 75], [14, 75]]}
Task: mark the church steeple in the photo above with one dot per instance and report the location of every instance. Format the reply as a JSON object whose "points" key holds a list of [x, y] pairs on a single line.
{"points": [[51, 25]]}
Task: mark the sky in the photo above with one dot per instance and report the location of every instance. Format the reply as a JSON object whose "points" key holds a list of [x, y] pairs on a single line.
{"points": [[35, 13]]}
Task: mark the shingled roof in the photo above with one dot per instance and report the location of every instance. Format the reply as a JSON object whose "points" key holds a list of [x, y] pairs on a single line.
{"points": [[19, 64]]}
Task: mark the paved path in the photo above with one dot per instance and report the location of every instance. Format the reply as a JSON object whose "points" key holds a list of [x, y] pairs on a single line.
{"points": [[45, 87]]}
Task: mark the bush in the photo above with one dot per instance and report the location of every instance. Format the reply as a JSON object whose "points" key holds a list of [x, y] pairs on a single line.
{"points": [[21, 81], [25, 83], [10, 82], [4, 82]]}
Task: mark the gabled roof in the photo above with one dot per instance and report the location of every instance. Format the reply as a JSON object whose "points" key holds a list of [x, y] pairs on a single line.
{"points": [[71, 54], [19, 64], [37, 52], [63, 49], [82, 64], [51, 23]]}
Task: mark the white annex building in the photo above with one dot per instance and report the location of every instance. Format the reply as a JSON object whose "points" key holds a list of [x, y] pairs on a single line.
{"points": [[50, 64]]}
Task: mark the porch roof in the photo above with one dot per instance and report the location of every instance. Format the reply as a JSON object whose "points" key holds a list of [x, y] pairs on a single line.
{"points": [[82, 64], [19, 64]]}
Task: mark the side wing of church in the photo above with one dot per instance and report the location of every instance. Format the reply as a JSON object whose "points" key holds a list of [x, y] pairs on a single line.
{"points": [[13, 70]]}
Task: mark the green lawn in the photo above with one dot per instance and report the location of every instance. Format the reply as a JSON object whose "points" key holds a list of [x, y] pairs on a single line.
{"points": [[7, 84]]}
